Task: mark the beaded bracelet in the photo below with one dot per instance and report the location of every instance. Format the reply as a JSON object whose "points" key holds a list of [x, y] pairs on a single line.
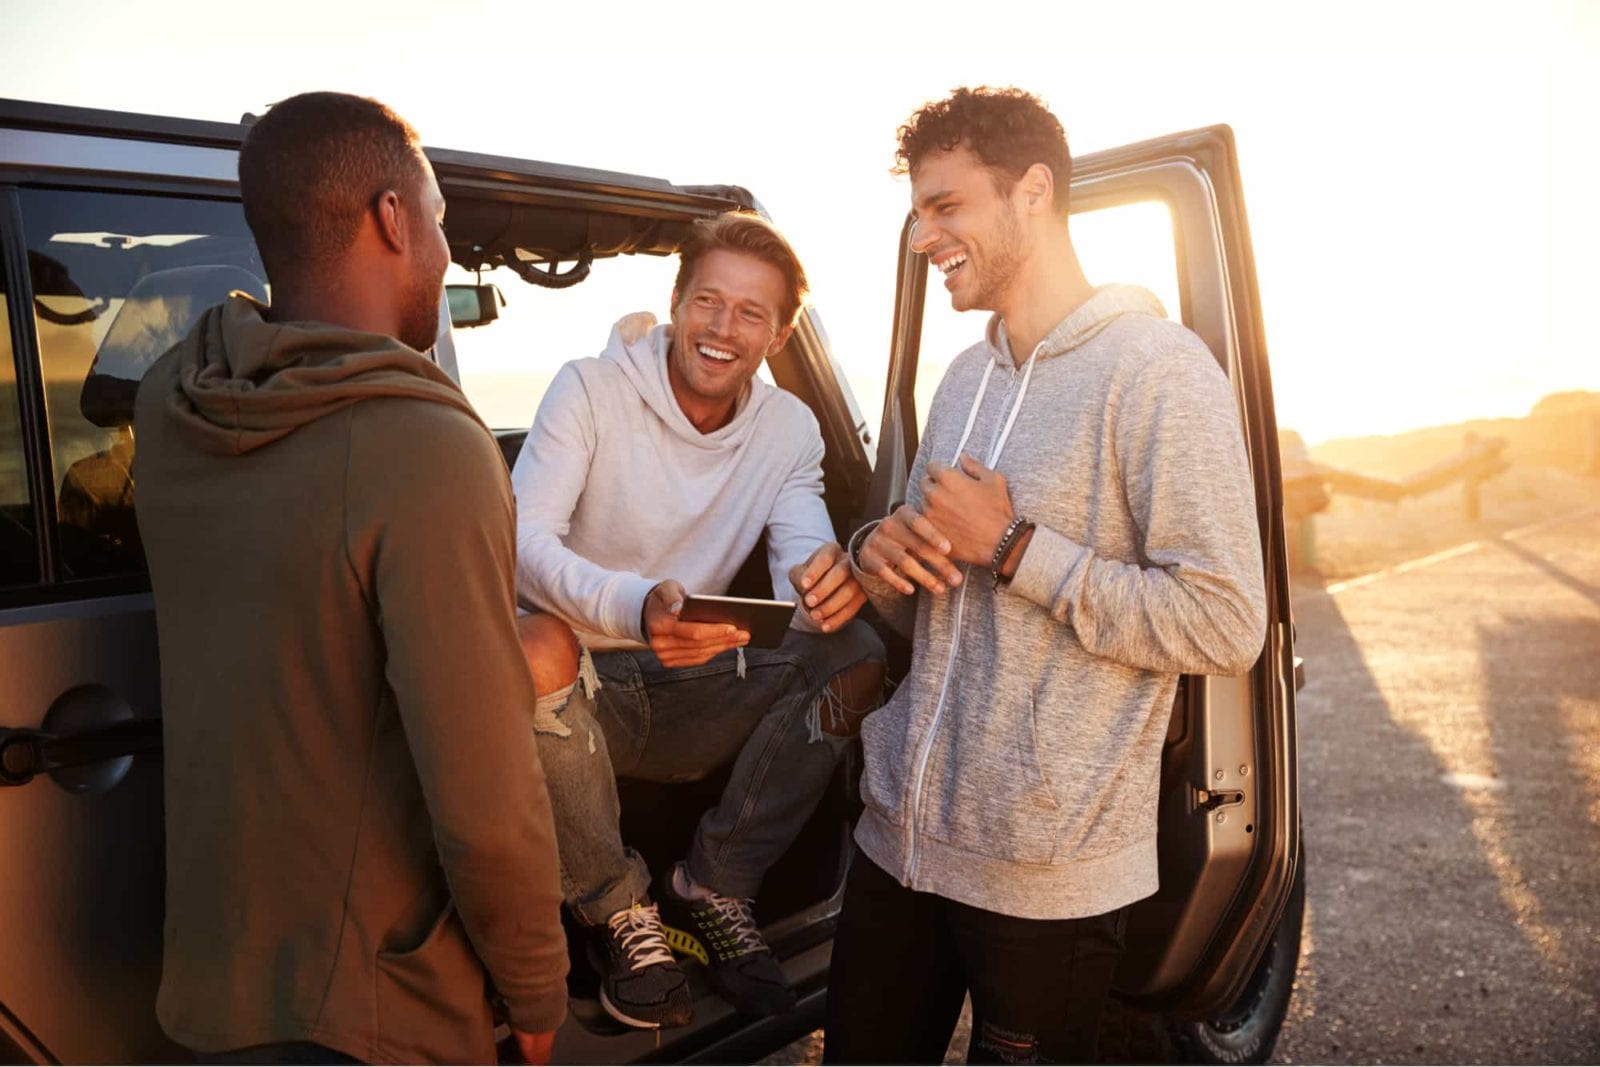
{"points": [[1008, 542]]}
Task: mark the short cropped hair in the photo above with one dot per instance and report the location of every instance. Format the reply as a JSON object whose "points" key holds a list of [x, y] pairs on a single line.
{"points": [[312, 165], [749, 234], [1008, 129]]}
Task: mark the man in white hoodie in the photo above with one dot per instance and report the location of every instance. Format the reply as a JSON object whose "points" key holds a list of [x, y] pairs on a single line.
{"points": [[650, 472], [1079, 529]]}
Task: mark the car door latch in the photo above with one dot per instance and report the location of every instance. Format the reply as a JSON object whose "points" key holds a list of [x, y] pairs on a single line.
{"points": [[1212, 799]]}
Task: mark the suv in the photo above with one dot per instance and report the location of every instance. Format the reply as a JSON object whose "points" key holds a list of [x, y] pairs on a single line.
{"points": [[116, 230]]}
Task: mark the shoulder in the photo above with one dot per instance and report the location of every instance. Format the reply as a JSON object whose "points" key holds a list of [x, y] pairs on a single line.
{"points": [[414, 450], [785, 423], [1150, 346]]}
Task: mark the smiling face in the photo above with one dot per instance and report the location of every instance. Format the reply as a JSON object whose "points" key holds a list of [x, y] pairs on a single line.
{"points": [[724, 323], [971, 231]]}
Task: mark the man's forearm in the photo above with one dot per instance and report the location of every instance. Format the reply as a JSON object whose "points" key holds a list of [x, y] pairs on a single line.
{"points": [[1182, 618]]}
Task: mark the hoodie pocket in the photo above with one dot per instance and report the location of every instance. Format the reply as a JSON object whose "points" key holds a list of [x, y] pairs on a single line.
{"points": [[992, 796], [432, 998]]}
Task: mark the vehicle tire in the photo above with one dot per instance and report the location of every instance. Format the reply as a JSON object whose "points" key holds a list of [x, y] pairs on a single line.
{"points": [[1247, 1032]]}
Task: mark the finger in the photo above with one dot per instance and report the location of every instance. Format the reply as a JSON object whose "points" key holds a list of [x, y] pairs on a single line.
{"points": [[907, 564], [875, 563], [935, 468], [973, 468], [827, 582], [672, 594], [845, 612], [929, 534], [825, 613], [699, 633], [821, 562], [936, 561]]}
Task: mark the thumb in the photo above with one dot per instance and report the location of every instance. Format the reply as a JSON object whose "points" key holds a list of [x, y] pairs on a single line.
{"points": [[972, 468], [671, 593], [818, 565]]}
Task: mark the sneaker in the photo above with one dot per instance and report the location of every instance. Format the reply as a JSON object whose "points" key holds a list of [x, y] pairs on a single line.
{"points": [[721, 932], [641, 984]]}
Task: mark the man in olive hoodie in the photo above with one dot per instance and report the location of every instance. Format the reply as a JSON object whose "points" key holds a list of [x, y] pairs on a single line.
{"points": [[1079, 529], [358, 832]]}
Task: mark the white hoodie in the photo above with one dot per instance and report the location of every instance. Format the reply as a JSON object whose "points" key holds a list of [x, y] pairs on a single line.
{"points": [[617, 491]]}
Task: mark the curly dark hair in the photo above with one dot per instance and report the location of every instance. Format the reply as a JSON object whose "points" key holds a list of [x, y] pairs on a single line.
{"points": [[1009, 129], [750, 234]]}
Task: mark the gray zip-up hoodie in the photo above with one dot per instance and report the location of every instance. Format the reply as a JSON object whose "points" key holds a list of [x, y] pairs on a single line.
{"points": [[1016, 768]]}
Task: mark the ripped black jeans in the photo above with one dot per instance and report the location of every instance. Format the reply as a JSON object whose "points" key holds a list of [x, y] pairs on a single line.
{"points": [[903, 961]]}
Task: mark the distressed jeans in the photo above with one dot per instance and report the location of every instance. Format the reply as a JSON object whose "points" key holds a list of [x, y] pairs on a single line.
{"points": [[665, 724]]}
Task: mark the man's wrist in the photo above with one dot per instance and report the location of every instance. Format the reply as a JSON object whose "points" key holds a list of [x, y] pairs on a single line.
{"points": [[1007, 552]]}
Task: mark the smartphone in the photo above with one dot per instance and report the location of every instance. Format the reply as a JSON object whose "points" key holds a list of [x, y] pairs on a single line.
{"points": [[766, 621]]}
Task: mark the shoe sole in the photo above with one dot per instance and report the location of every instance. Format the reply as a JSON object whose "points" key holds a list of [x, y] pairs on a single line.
{"points": [[627, 1020]]}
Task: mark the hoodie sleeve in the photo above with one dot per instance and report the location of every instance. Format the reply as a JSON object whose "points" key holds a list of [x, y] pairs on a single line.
{"points": [[798, 523], [895, 607], [548, 479], [430, 523], [1196, 602]]}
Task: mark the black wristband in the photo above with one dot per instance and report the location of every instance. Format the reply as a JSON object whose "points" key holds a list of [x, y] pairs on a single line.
{"points": [[1008, 542]]}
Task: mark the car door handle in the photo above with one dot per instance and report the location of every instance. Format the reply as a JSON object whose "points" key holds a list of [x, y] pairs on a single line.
{"points": [[27, 753]]}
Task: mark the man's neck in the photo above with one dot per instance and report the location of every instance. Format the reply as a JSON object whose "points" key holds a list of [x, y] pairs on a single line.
{"points": [[707, 416], [333, 303], [1050, 287]]}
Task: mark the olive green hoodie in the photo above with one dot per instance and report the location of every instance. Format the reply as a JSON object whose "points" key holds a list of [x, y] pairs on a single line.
{"points": [[358, 832]]}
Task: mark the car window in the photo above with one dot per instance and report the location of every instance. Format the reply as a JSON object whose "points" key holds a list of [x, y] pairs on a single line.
{"points": [[506, 365], [19, 557], [1130, 243], [117, 280]]}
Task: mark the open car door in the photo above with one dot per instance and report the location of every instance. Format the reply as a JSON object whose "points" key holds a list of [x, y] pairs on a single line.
{"points": [[1169, 214]]}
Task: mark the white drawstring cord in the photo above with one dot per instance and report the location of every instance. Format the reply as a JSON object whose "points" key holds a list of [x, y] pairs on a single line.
{"points": [[1011, 417]]}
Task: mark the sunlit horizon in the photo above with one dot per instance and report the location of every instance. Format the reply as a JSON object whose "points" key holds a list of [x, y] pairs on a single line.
{"points": [[1416, 175]]}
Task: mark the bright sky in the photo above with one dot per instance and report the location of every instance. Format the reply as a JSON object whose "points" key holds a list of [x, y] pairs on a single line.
{"points": [[1419, 177]]}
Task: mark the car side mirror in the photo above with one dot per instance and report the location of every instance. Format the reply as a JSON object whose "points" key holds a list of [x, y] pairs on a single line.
{"points": [[473, 305]]}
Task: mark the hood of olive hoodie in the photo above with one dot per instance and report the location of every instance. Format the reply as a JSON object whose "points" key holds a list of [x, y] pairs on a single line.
{"points": [[245, 382]]}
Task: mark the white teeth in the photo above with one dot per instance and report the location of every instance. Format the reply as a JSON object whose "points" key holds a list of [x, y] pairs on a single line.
{"points": [[716, 353], [949, 265]]}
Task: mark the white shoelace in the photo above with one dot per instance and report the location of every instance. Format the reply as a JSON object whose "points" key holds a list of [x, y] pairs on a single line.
{"points": [[639, 930], [736, 912]]}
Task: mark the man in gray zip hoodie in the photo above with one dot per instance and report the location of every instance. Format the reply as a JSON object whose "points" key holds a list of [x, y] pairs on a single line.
{"points": [[1080, 529]]}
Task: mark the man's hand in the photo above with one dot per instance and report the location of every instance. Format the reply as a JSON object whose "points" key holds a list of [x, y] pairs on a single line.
{"points": [[907, 547], [828, 590], [535, 1046], [970, 505], [684, 644], [632, 327]]}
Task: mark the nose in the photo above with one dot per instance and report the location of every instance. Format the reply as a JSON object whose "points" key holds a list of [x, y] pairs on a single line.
{"points": [[924, 235], [721, 322]]}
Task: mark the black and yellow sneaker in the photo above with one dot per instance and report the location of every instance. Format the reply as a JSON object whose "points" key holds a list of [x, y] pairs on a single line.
{"points": [[721, 933], [640, 983]]}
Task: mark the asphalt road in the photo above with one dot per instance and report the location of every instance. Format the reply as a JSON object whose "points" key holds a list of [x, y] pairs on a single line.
{"points": [[1450, 783], [1450, 762]]}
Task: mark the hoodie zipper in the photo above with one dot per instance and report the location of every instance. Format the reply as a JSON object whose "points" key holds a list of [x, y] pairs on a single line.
{"points": [[961, 596]]}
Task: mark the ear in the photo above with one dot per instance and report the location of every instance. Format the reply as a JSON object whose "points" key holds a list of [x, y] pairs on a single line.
{"points": [[674, 315], [389, 218], [1037, 186], [781, 339]]}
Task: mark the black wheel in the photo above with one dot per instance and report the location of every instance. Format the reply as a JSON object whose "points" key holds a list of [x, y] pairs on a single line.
{"points": [[1247, 1031]]}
